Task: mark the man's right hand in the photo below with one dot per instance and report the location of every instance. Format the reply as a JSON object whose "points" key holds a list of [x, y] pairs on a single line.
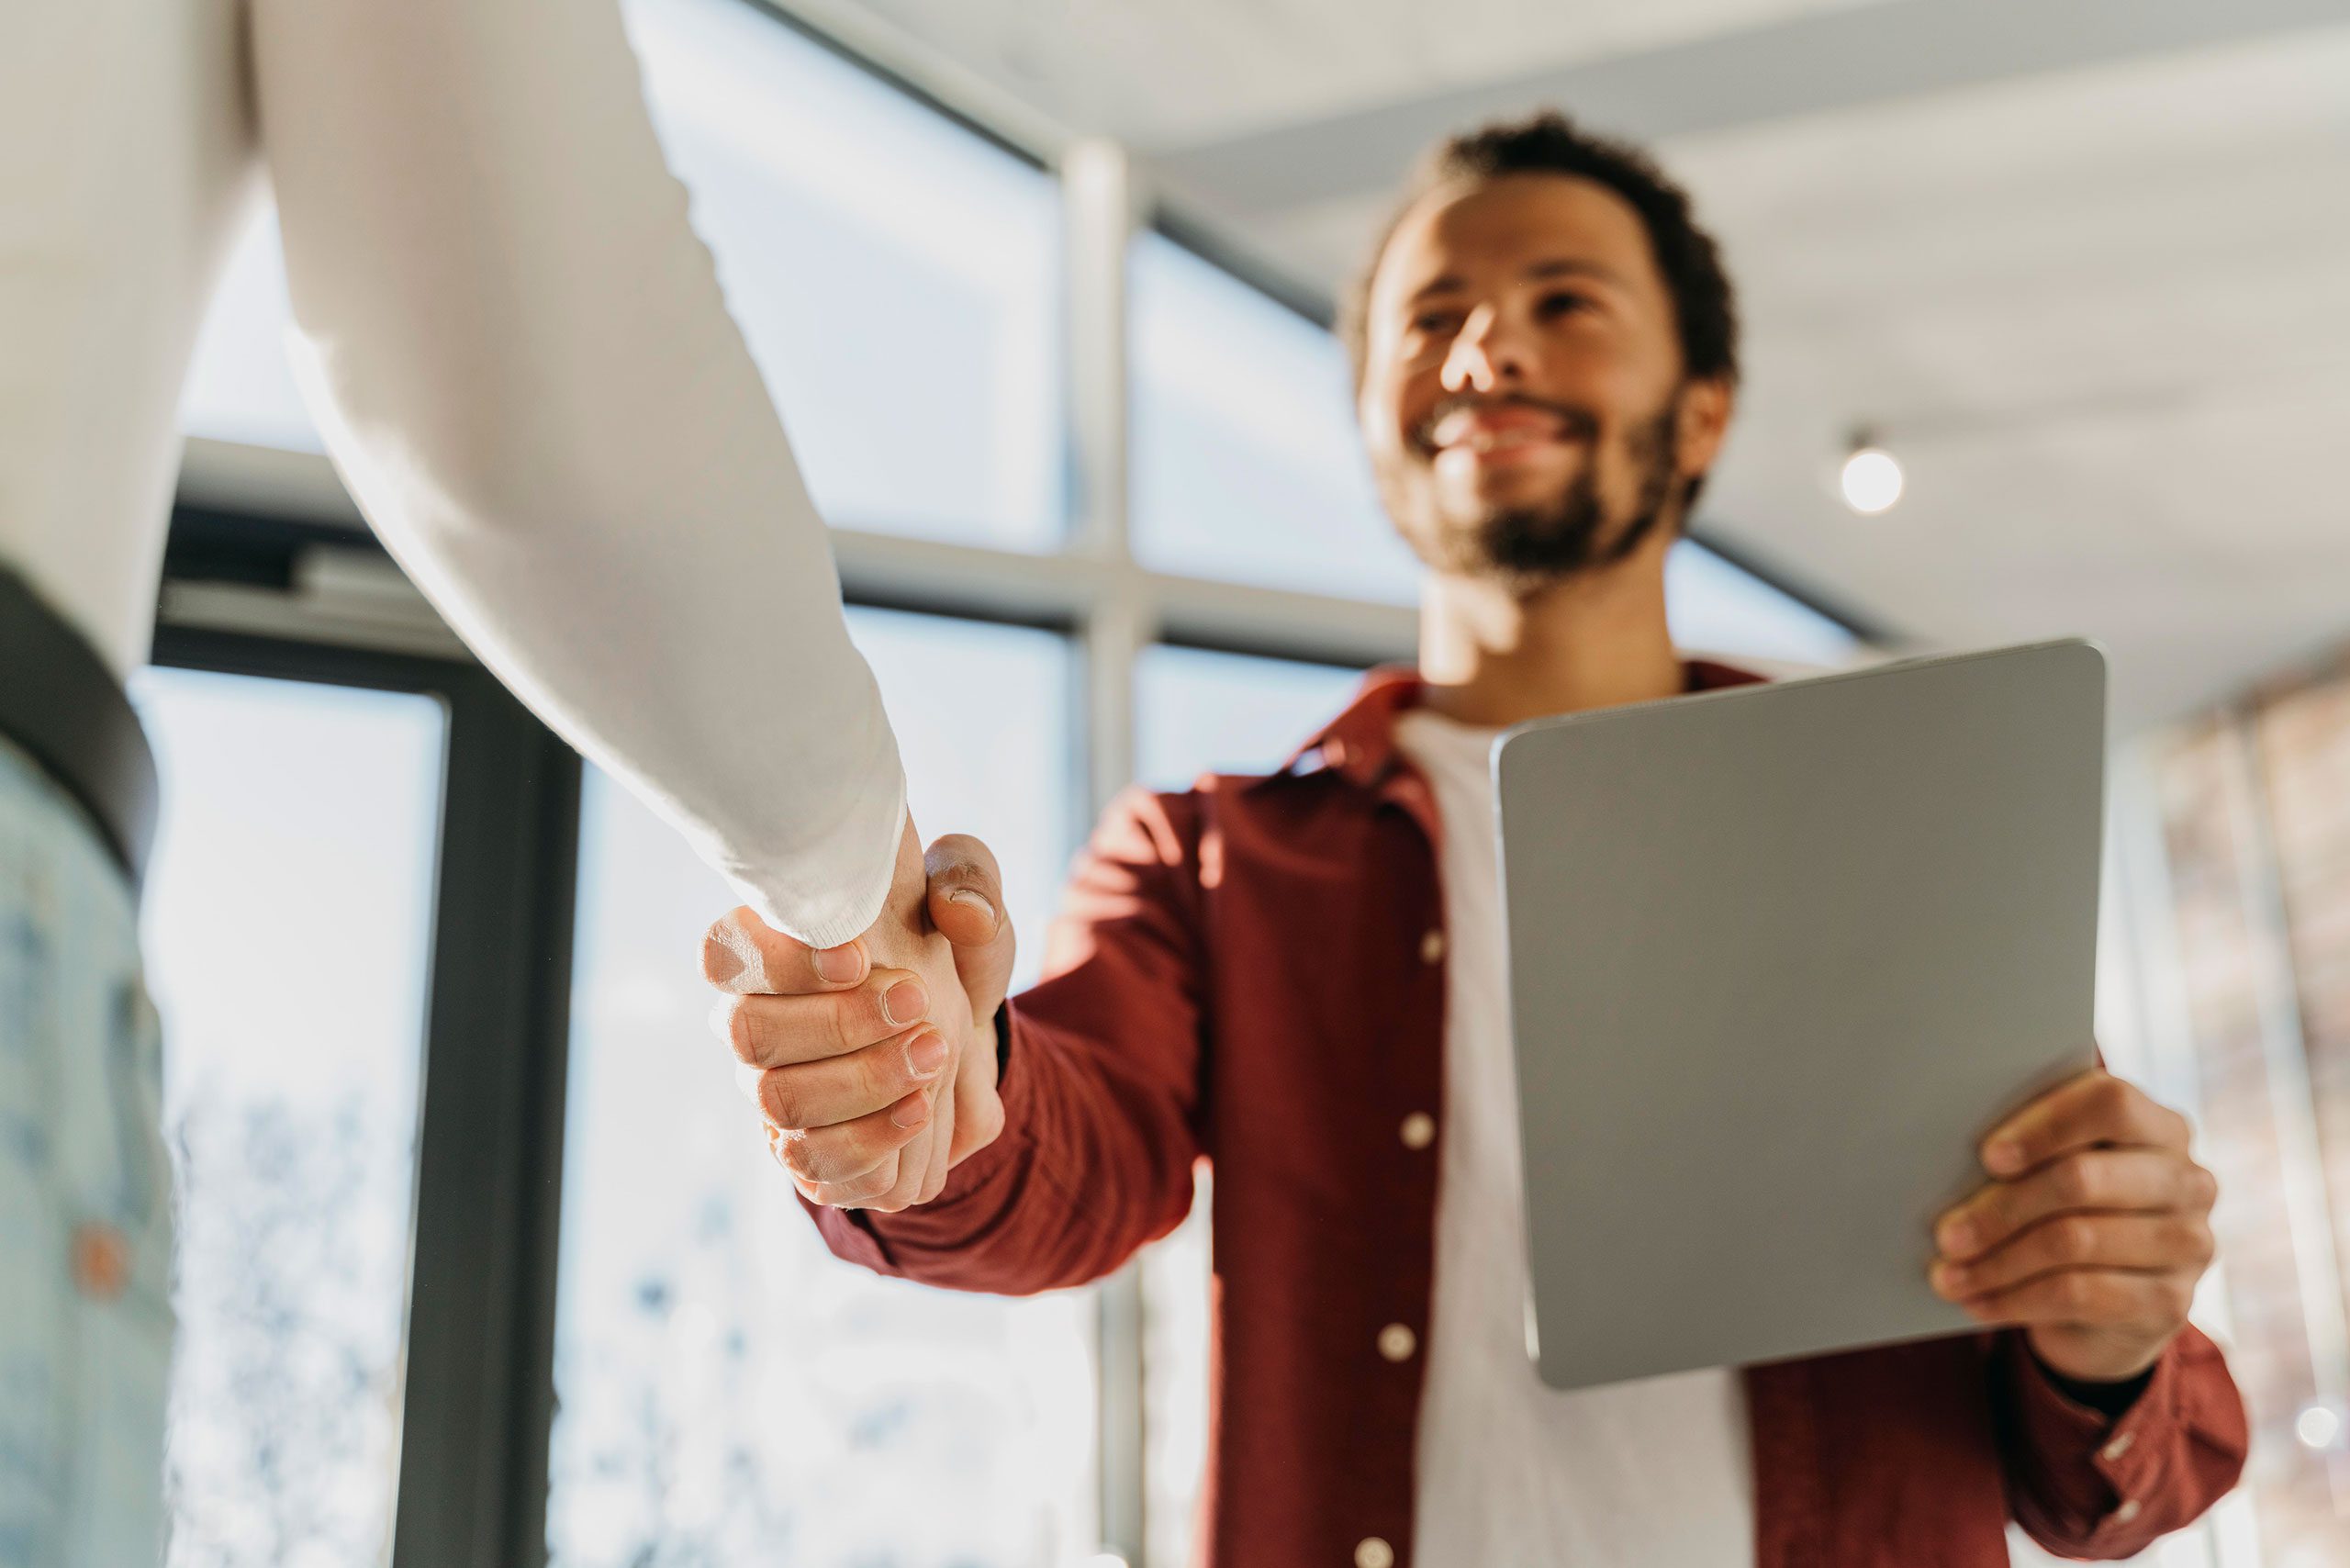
{"points": [[873, 1063]]}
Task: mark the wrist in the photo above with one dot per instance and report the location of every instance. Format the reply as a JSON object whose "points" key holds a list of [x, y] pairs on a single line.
{"points": [[2108, 1396]]}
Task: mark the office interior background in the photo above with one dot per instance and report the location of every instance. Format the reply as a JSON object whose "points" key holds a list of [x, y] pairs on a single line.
{"points": [[484, 1257]]}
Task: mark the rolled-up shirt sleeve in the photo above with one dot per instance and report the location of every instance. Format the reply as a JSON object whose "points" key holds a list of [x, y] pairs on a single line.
{"points": [[2089, 1484], [519, 354]]}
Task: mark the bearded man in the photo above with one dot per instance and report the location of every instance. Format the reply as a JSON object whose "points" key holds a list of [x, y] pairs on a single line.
{"points": [[1300, 979]]}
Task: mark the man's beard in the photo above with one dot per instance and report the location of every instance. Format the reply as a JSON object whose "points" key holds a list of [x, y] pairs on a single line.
{"points": [[1571, 534]]}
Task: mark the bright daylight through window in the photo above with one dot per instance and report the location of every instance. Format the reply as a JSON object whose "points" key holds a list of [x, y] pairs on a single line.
{"points": [[288, 925]]}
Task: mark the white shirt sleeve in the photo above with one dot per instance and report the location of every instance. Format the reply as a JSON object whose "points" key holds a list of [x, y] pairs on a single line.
{"points": [[518, 353]]}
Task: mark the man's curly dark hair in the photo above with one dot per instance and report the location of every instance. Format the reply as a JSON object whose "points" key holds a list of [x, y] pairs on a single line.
{"points": [[1550, 143]]}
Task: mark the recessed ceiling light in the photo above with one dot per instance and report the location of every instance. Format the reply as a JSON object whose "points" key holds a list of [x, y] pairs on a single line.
{"points": [[2318, 1426], [1871, 477]]}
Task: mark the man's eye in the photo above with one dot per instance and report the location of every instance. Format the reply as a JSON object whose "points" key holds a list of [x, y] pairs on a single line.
{"points": [[1562, 304], [1433, 321]]}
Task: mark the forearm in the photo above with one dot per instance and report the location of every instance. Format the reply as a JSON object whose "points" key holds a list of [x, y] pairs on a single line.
{"points": [[519, 353]]}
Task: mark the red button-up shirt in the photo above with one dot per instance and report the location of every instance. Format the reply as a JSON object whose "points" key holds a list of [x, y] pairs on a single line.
{"points": [[1245, 973]]}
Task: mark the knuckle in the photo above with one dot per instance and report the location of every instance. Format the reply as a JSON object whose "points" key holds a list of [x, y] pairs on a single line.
{"points": [[839, 1155], [780, 1099], [881, 1070], [2205, 1186], [2073, 1238], [959, 858], [791, 1152], [840, 1017], [737, 1029], [2072, 1182], [875, 1183], [721, 950]]}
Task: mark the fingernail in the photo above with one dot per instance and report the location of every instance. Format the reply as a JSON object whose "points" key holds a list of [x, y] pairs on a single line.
{"points": [[911, 1111], [971, 898], [903, 1002], [1956, 1235], [1947, 1278], [2003, 1157], [925, 1056], [838, 966], [719, 962]]}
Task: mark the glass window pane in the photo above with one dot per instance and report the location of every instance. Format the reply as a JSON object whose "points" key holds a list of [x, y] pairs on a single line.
{"points": [[1245, 462], [240, 384], [287, 922], [1717, 607], [731, 1393], [1197, 711], [895, 276]]}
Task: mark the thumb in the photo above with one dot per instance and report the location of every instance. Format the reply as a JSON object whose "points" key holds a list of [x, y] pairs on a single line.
{"points": [[967, 906]]}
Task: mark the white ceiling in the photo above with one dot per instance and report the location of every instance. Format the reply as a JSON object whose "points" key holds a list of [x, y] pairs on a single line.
{"points": [[2090, 277], [1168, 73]]}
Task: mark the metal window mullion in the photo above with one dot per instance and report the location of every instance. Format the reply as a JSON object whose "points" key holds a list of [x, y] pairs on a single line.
{"points": [[480, 1394], [1098, 209]]}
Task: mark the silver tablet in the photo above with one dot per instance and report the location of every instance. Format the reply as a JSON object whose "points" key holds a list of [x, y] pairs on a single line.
{"points": [[1779, 956]]}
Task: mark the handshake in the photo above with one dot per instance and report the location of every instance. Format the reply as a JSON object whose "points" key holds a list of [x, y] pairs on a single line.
{"points": [[873, 1063]]}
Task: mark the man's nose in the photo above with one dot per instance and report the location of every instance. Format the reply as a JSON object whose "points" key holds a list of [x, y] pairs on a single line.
{"points": [[1487, 354]]}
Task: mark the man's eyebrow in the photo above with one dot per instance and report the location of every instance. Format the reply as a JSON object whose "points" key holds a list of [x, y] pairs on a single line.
{"points": [[1448, 284], [1567, 266], [1557, 267]]}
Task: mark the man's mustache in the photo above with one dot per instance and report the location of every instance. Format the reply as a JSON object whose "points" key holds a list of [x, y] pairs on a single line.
{"points": [[1580, 424]]}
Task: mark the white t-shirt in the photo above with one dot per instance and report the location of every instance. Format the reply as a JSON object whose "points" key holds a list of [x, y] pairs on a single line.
{"points": [[1510, 1470], [519, 356]]}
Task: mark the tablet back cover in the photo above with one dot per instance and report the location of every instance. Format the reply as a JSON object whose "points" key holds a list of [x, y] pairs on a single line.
{"points": [[1779, 956]]}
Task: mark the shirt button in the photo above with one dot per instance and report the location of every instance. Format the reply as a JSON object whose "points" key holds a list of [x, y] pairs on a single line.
{"points": [[1396, 1342], [2121, 1516], [1419, 1130], [1373, 1552], [2120, 1444], [1432, 947]]}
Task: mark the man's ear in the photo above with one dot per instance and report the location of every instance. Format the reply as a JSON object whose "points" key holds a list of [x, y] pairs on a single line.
{"points": [[1701, 420]]}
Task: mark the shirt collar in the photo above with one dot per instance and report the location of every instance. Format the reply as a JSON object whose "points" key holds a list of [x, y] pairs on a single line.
{"points": [[1359, 744]]}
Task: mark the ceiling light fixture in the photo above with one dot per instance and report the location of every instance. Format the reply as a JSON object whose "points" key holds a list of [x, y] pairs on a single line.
{"points": [[1871, 477], [2318, 1426]]}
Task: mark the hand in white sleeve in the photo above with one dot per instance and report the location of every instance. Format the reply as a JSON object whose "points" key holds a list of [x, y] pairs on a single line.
{"points": [[518, 353]]}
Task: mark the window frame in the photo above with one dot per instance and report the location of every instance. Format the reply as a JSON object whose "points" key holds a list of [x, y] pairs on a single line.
{"points": [[478, 1381], [270, 572]]}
